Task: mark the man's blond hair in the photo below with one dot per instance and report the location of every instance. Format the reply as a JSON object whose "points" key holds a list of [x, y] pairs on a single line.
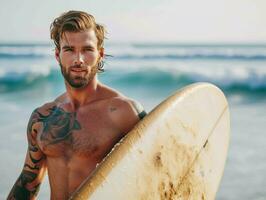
{"points": [[75, 21]]}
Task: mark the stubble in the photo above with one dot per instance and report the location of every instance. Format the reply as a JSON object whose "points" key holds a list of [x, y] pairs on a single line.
{"points": [[78, 81]]}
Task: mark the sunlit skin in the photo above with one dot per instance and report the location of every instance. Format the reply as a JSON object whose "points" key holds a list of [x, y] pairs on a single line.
{"points": [[78, 57], [70, 135]]}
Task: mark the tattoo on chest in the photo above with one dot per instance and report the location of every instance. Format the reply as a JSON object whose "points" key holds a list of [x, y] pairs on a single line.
{"points": [[58, 125]]}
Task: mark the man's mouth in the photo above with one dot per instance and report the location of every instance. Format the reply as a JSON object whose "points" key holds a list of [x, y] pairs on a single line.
{"points": [[74, 69]]}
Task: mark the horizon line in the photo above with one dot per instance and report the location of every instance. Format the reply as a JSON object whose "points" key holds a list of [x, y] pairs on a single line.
{"points": [[146, 43]]}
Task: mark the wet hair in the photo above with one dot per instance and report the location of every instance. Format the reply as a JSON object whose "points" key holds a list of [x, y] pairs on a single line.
{"points": [[76, 21]]}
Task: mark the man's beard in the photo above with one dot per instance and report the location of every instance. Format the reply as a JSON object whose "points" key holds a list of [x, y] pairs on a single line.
{"points": [[77, 81]]}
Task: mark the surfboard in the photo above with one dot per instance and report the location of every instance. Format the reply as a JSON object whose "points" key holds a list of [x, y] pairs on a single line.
{"points": [[178, 151]]}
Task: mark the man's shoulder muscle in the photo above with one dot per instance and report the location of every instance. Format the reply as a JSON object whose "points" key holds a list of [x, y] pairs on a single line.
{"points": [[125, 112], [37, 112], [48, 105]]}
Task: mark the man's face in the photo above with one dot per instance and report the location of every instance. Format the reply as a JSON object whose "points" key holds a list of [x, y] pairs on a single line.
{"points": [[78, 57]]}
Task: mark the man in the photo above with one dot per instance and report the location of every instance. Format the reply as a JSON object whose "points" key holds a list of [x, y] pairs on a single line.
{"points": [[69, 136]]}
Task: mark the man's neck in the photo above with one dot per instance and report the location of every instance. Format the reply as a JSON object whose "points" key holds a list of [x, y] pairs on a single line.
{"points": [[82, 96]]}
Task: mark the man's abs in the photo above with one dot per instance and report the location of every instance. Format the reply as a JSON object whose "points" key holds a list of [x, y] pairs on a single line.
{"points": [[65, 175]]}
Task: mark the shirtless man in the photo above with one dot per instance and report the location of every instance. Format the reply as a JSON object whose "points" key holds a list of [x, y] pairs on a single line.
{"points": [[69, 136]]}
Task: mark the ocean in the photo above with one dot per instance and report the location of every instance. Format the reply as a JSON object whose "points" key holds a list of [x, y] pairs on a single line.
{"points": [[148, 73]]}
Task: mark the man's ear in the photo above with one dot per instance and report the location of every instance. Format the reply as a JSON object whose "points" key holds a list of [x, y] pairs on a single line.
{"points": [[57, 51], [101, 52]]}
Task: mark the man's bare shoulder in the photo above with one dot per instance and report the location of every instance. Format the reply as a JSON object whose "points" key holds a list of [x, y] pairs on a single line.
{"points": [[117, 99], [108, 93], [46, 107], [125, 104], [125, 112]]}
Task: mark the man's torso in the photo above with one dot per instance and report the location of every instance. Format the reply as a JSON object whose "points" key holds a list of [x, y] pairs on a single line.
{"points": [[74, 142]]}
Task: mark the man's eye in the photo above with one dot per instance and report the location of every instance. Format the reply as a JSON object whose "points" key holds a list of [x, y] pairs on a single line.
{"points": [[68, 49], [88, 49]]}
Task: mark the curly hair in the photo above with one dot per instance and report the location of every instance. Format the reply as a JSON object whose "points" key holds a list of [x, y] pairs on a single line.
{"points": [[75, 21]]}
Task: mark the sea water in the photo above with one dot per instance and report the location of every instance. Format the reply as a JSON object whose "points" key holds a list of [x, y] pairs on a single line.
{"points": [[148, 73]]}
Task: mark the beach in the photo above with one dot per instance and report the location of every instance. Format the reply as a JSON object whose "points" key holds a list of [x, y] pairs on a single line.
{"points": [[148, 73]]}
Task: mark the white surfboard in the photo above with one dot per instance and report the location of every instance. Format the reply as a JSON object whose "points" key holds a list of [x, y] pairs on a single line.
{"points": [[178, 151]]}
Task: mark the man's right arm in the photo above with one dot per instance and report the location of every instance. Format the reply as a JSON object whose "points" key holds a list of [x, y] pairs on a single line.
{"points": [[27, 185]]}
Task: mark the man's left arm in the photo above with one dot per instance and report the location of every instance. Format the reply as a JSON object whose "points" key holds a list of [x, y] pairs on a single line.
{"points": [[139, 109]]}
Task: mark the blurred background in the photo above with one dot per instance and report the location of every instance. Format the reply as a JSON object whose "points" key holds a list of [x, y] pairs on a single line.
{"points": [[157, 48]]}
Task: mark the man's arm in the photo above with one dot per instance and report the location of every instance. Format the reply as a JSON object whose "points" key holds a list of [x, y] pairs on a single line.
{"points": [[27, 185], [139, 109]]}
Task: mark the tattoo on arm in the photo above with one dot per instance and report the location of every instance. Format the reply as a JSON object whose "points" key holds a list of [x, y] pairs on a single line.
{"points": [[26, 186], [58, 126], [20, 190]]}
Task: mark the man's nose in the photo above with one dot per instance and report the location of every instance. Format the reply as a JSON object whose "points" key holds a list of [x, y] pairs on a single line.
{"points": [[79, 58]]}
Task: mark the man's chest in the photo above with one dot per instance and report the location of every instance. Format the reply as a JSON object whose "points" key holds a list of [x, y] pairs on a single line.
{"points": [[86, 133]]}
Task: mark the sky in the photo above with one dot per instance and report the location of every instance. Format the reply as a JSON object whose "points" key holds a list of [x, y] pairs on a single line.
{"points": [[183, 21]]}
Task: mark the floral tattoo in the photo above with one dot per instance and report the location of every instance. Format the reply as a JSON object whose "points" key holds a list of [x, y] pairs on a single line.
{"points": [[58, 125]]}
